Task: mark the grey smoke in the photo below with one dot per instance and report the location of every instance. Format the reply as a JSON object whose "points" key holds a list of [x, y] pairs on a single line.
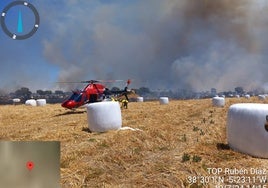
{"points": [[161, 44]]}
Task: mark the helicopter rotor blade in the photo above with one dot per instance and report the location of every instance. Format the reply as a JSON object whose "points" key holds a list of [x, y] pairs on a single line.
{"points": [[68, 82], [95, 81], [102, 81], [110, 81], [90, 81], [87, 81]]}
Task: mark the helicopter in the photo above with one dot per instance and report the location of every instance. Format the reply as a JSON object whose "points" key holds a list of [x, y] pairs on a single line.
{"points": [[93, 92]]}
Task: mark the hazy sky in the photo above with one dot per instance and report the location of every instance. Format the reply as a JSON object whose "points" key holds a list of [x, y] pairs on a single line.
{"points": [[159, 44]]}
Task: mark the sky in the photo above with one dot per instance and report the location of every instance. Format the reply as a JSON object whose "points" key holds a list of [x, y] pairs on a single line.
{"points": [[171, 44]]}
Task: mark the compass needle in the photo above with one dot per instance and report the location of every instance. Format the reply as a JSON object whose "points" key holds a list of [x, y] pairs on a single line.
{"points": [[26, 21], [20, 27]]}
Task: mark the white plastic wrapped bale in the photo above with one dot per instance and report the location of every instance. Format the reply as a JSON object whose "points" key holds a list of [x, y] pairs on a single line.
{"points": [[261, 97], [104, 116], [139, 99], [30, 102], [16, 101], [163, 100], [218, 101], [107, 100], [41, 102], [246, 129], [247, 96]]}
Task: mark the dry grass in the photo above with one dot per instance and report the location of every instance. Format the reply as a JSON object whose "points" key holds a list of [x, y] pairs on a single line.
{"points": [[153, 157]]}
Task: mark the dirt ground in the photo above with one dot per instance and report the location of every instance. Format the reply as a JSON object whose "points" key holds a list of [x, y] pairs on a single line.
{"points": [[176, 146]]}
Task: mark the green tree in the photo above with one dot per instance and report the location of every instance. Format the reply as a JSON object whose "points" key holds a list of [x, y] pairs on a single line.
{"points": [[23, 92], [239, 90]]}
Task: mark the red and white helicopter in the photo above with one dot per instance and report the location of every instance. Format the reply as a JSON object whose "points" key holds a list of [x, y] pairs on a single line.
{"points": [[94, 91]]}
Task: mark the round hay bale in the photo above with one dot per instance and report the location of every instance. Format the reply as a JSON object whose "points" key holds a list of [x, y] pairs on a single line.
{"points": [[237, 96], [246, 129], [261, 97], [107, 100], [218, 101], [41, 102], [163, 100], [16, 100], [30, 102], [104, 116], [139, 99], [247, 96]]}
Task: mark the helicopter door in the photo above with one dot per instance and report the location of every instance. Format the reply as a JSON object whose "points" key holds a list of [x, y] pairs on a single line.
{"points": [[84, 98]]}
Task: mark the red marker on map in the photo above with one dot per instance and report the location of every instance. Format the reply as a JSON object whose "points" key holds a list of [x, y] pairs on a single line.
{"points": [[30, 165]]}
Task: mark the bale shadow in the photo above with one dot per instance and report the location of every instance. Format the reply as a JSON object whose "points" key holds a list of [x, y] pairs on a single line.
{"points": [[70, 112], [222, 146], [86, 129]]}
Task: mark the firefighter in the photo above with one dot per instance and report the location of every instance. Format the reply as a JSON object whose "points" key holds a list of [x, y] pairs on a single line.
{"points": [[124, 103]]}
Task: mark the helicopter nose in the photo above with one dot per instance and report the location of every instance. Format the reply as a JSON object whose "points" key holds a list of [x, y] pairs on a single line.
{"points": [[68, 104]]}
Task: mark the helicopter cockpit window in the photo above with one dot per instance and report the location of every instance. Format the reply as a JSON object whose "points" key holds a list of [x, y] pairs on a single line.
{"points": [[76, 97]]}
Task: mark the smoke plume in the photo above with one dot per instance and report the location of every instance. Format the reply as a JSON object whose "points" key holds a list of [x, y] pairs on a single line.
{"points": [[191, 44]]}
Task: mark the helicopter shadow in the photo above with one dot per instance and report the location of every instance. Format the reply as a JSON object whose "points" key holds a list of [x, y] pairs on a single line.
{"points": [[70, 113]]}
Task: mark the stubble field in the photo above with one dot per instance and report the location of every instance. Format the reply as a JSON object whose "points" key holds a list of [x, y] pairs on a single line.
{"points": [[176, 142]]}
